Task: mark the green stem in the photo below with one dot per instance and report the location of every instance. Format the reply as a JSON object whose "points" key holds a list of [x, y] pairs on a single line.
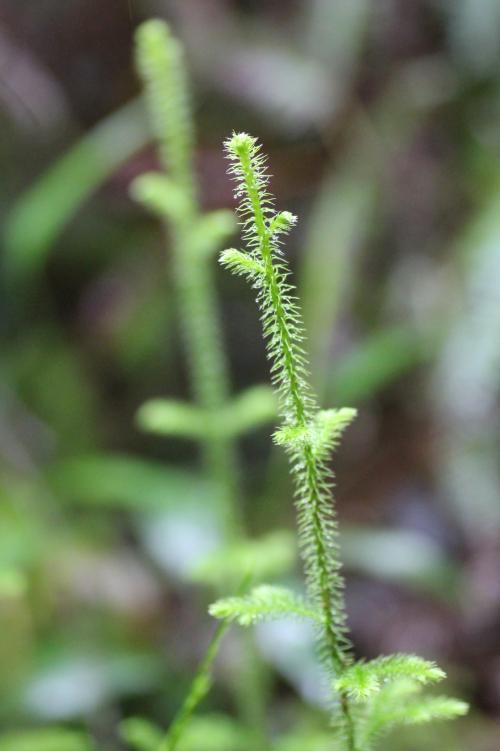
{"points": [[299, 418], [207, 367], [198, 690]]}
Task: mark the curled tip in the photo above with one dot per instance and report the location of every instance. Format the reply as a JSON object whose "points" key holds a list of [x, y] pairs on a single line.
{"points": [[240, 143]]}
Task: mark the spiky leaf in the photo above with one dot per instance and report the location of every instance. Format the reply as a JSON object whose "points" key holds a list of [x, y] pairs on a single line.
{"points": [[240, 263], [262, 603], [363, 679]]}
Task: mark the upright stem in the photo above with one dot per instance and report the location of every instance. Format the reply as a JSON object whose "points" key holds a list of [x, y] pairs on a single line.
{"points": [[298, 409], [208, 369]]}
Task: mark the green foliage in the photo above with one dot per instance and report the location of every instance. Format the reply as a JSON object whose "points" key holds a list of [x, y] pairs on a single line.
{"points": [[372, 696], [208, 732], [123, 481], [399, 702], [365, 678], [262, 603], [267, 557], [322, 434], [41, 213], [45, 739], [307, 433], [195, 237], [141, 734], [214, 732], [247, 411]]}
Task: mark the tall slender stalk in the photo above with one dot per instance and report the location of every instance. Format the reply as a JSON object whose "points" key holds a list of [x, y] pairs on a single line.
{"points": [[301, 417], [371, 696], [161, 66]]}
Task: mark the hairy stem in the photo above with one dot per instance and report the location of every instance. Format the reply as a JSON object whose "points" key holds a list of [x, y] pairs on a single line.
{"points": [[282, 329]]}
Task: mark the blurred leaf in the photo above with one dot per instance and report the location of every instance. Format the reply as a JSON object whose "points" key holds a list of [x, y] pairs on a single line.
{"points": [[211, 231], [252, 408], [338, 226], [45, 739], [81, 684], [377, 362], [119, 480], [399, 555], [311, 741], [214, 732], [466, 379], [42, 212], [13, 583], [141, 734], [247, 411], [270, 556], [160, 195], [173, 418], [21, 534], [52, 381]]}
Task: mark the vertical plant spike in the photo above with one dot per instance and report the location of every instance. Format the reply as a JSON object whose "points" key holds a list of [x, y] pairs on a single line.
{"points": [[309, 435], [283, 332], [160, 64]]}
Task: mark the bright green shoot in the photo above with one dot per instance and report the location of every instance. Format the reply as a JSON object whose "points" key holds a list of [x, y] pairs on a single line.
{"points": [[369, 698]]}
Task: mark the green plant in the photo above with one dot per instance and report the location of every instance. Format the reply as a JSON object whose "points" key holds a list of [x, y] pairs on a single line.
{"points": [[369, 697], [215, 421]]}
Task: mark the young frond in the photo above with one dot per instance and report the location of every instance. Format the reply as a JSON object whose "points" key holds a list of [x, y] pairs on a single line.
{"points": [[262, 603], [364, 679], [160, 64]]}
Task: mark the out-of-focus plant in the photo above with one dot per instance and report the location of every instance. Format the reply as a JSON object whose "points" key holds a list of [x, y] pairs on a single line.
{"points": [[370, 697], [214, 421]]}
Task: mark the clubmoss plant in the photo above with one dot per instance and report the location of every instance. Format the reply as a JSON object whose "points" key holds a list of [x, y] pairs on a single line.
{"points": [[215, 421], [369, 697]]}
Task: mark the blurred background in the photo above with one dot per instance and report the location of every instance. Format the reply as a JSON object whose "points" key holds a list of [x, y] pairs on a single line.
{"points": [[380, 118]]}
